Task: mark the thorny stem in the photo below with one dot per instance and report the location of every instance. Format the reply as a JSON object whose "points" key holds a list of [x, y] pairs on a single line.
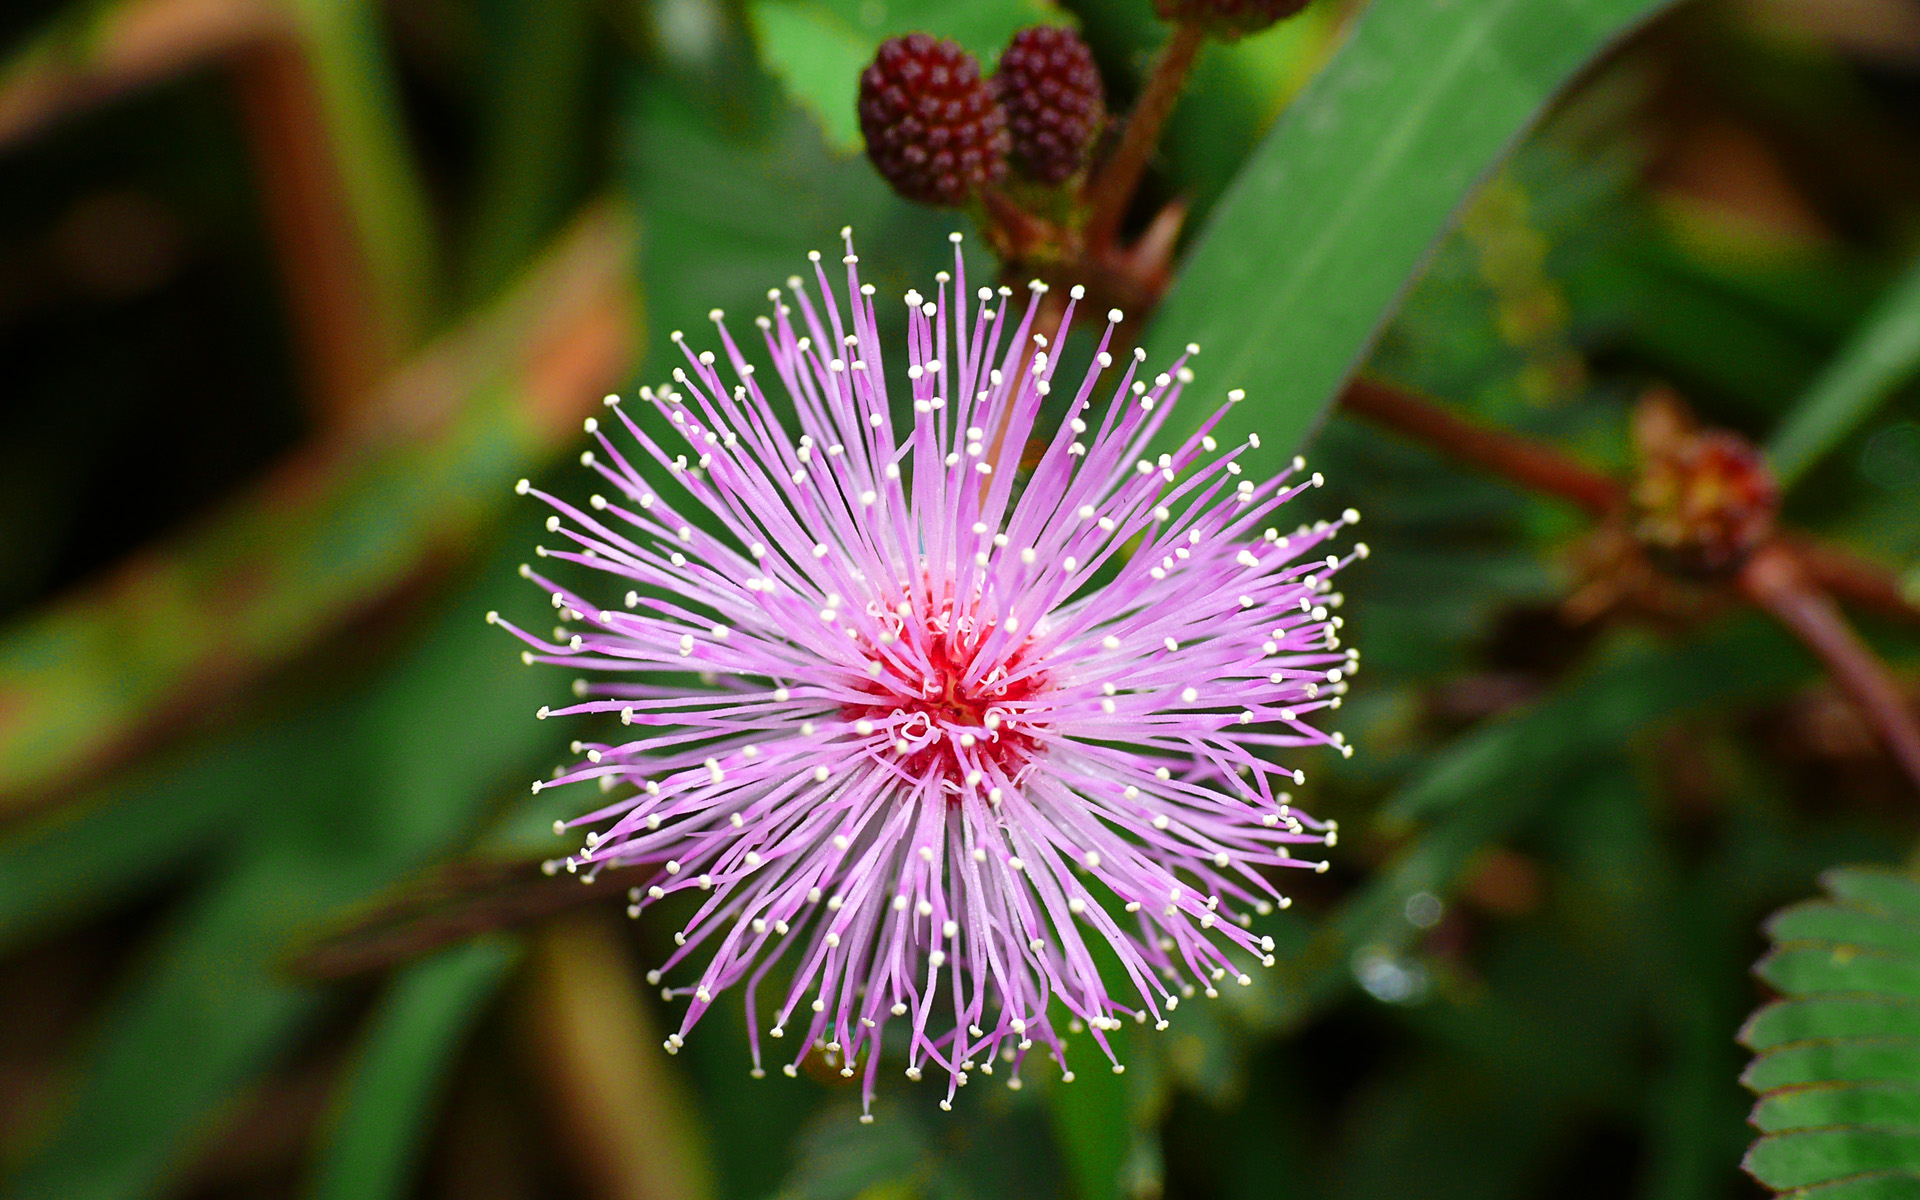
{"points": [[1112, 188], [1774, 580]]}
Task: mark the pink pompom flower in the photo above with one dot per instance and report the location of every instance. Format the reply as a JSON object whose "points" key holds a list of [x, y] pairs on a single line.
{"points": [[940, 735]]}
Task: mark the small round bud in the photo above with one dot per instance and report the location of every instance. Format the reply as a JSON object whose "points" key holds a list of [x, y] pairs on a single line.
{"points": [[934, 130], [1704, 499], [1055, 104]]}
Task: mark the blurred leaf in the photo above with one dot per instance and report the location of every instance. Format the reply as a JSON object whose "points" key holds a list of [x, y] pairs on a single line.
{"points": [[536, 138], [624, 1119], [326, 536], [365, 128], [1836, 1068], [840, 1159], [416, 1031], [1882, 354], [1235, 91], [818, 48], [355, 796], [1595, 713], [87, 858], [94, 50], [1304, 258], [819, 56], [1094, 1122], [730, 213]]}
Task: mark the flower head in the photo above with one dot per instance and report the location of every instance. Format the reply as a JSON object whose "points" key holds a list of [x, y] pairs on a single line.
{"points": [[941, 735]]}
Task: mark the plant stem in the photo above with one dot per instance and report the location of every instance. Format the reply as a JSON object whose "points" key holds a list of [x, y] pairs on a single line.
{"points": [[1516, 459], [1854, 579], [1112, 188], [1774, 580]]}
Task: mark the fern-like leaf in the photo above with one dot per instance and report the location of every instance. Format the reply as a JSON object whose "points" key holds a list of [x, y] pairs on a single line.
{"points": [[1837, 1058]]}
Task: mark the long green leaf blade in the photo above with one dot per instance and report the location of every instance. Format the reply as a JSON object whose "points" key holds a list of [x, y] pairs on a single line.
{"points": [[1307, 253], [1882, 354], [415, 1033]]}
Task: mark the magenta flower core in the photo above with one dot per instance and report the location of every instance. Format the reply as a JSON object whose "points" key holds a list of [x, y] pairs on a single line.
{"points": [[941, 735]]}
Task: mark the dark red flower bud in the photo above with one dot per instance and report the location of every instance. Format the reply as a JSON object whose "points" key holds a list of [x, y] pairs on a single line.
{"points": [[1054, 101], [933, 127], [1704, 499]]}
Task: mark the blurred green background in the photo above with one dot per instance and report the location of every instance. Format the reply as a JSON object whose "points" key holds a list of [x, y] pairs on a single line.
{"points": [[291, 292]]}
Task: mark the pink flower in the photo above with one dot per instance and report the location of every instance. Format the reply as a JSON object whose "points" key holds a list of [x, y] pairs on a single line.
{"points": [[937, 735]]}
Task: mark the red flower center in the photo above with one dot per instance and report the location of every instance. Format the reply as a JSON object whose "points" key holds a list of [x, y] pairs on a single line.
{"points": [[943, 722]]}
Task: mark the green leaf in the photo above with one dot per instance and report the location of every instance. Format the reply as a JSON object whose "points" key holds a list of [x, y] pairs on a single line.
{"points": [[362, 120], [1823, 921], [177, 1046], [1801, 968], [349, 799], [416, 1031], [1838, 1069], [1830, 1017], [1882, 354], [1642, 684], [818, 55], [94, 854], [1903, 1186], [1845, 1059], [1809, 1156], [1879, 888], [1893, 1103], [1094, 1124], [1306, 255]]}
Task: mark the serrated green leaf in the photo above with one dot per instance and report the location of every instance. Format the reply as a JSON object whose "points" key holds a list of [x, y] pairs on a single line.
{"points": [[1809, 1156], [1786, 1021], [1801, 968], [1825, 921], [1839, 1061], [1845, 1060], [1883, 353], [1304, 257], [1838, 1104]]}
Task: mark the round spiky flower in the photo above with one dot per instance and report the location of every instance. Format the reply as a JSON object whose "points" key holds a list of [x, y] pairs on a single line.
{"points": [[1055, 104], [933, 128], [937, 737]]}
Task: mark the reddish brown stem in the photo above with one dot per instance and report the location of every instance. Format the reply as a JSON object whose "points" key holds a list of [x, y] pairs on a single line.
{"points": [[1112, 188], [1516, 459], [444, 906], [1853, 579], [1774, 580]]}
